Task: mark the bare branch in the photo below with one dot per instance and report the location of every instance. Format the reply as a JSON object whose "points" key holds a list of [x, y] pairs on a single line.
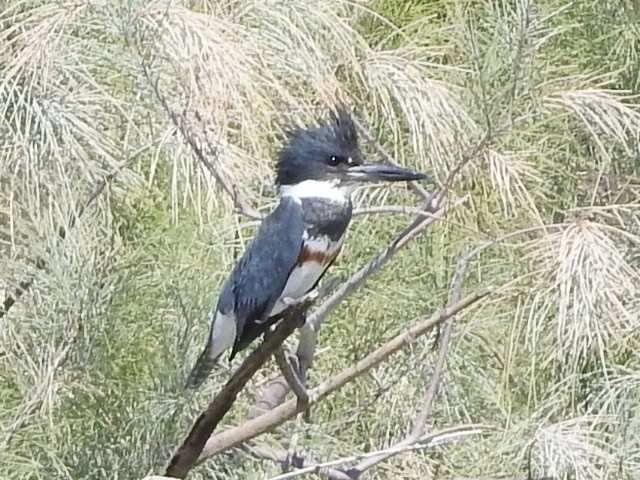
{"points": [[435, 439], [418, 211], [326, 469], [432, 390], [273, 418], [293, 441], [187, 453], [280, 456]]}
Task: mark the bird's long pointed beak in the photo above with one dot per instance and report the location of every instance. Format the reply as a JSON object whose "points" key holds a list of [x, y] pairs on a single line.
{"points": [[388, 173]]}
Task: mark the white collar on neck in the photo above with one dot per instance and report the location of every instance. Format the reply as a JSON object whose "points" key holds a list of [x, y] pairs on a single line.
{"points": [[318, 189]]}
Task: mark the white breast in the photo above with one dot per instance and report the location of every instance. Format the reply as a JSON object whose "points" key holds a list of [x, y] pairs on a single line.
{"points": [[304, 276]]}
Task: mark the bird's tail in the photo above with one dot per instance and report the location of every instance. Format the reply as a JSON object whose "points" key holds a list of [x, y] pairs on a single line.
{"points": [[201, 370]]}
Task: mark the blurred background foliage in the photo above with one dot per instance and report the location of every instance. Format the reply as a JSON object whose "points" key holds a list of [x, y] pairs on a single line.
{"points": [[94, 354]]}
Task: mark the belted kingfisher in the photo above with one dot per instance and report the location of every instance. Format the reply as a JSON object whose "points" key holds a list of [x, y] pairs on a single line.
{"points": [[316, 174]]}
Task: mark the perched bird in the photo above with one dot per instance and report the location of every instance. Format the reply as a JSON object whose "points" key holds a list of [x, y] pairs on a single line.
{"points": [[317, 172]]}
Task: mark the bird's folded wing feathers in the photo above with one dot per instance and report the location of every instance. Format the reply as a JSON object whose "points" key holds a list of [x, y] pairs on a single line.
{"points": [[261, 274]]}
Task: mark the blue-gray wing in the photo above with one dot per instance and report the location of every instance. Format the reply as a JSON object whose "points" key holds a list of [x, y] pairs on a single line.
{"points": [[260, 276]]}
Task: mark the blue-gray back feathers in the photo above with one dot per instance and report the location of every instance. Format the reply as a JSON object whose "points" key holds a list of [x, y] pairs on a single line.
{"points": [[260, 276]]}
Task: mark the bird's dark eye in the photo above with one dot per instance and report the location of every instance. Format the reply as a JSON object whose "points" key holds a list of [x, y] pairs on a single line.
{"points": [[336, 160]]}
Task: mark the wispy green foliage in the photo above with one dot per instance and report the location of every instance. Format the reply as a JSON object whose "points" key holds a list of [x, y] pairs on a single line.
{"points": [[94, 354]]}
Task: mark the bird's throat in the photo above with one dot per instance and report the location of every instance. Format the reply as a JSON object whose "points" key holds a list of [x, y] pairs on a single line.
{"points": [[325, 189]]}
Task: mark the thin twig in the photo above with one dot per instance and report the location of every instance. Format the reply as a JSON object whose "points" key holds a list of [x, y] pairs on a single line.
{"points": [[281, 457], [180, 123], [293, 442], [387, 158], [432, 440], [402, 209], [436, 378], [418, 211]]}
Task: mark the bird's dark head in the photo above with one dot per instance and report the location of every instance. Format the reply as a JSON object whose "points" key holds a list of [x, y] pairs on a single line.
{"points": [[329, 154]]}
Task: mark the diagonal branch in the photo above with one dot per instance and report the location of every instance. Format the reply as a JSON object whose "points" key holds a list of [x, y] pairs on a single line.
{"points": [[436, 379], [273, 418], [187, 453], [432, 389]]}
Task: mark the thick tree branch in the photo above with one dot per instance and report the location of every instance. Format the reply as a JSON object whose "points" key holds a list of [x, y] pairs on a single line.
{"points": [[187, 453], [273, 418]]}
